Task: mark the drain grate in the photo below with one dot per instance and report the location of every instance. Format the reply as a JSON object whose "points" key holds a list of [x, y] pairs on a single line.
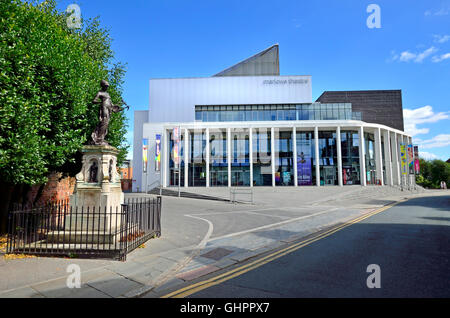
{"points": [[217, 253]]}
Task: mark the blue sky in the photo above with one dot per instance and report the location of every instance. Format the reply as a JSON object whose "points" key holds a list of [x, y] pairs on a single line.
{"points": [[329, 40]]}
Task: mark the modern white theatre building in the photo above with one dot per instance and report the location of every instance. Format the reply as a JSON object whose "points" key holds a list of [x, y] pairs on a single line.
{"points": [[249, 126]]}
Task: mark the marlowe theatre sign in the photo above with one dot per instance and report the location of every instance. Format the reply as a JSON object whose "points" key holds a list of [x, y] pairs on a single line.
{"points": [[285, 82]]}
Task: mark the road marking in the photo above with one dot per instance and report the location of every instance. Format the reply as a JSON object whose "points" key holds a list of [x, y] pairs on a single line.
{"points": [[269, 215], [191, 289], [253, 210], [205, 239], [270, 225], [181, 264]]}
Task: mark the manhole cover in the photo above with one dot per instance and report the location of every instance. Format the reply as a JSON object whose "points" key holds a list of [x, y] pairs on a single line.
{"points": [[217, 253]]}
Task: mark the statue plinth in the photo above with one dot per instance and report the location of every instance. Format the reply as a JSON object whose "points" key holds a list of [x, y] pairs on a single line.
{"points": [[97, 191]]}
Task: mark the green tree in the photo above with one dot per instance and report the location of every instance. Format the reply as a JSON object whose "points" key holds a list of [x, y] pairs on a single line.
{"points": [[440, 171], [49, 75], [433, 172]]}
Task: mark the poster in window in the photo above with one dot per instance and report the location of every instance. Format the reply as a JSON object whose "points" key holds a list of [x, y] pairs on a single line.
{"points": [[304, 169]]}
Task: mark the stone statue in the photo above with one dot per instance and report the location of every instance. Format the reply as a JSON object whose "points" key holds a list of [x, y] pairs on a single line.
{"points": [[93, 170], [106, 107]]}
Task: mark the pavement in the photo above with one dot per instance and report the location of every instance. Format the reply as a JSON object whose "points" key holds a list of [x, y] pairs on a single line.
{"points": [[200, 237]]}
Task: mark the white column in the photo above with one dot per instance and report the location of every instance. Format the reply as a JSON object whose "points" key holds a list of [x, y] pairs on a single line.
{"points": [[395, 159], [294, 154], [165, 159], [339, 155], [272, 146], [378, 156], [208, 152], [229, 155], [250, 150], [186, 157], [387, 157], [362, 155], [316, 150]]}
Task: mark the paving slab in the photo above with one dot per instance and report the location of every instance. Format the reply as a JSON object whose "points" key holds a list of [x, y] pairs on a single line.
{"points": [[114, 285], [23, 292]]}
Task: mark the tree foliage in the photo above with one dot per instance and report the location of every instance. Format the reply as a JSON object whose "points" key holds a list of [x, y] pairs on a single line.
{"points": [[433, 172], [49, 75]]}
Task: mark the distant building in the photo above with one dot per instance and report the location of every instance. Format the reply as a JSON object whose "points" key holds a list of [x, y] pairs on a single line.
{"points": [[126, 174], [249, 126]]}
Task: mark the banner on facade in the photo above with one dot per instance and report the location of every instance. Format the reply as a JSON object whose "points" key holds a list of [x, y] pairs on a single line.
{"points": [[176, 147], [411, 159], [403, 159], [144, 154], [304, 169], [158, 153], [416, 160]]}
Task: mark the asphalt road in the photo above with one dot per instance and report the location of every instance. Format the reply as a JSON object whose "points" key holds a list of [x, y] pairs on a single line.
{"points": [[410, 243]]}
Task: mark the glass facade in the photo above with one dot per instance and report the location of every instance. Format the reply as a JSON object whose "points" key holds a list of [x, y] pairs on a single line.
{"points": [[371, 173], [273, 112], [197, 159], [240, 157], [328, 158], [351, 173], [176, 161], [284, 163], [262, 157], [218, 161], [280, 171], [306, 164]]}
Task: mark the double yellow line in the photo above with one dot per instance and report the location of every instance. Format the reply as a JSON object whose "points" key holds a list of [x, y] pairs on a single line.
{"points": [[194, 288]]}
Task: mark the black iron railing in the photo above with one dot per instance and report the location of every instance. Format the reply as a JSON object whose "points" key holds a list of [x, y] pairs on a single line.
{"points": [[65, 230]]}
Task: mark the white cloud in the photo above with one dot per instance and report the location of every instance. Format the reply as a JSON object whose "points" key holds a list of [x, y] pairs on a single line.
{"points": [[421, 56], [407, 56], [437, 59], [443, 11], [422, 115], [441, 38], [440, 12], [439, 141], [427, 155]]}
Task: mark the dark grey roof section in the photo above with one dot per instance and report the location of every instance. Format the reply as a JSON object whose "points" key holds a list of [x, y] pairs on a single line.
{"points": [[376, 106], [264, 63]]}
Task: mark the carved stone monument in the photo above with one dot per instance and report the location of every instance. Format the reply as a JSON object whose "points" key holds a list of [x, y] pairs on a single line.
{"points": [[98, 188], [95, 215], [98, 183]]}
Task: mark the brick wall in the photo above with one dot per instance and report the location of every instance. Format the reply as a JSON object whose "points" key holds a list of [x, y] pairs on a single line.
{"points": [[376, 106], [54, 190]]}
